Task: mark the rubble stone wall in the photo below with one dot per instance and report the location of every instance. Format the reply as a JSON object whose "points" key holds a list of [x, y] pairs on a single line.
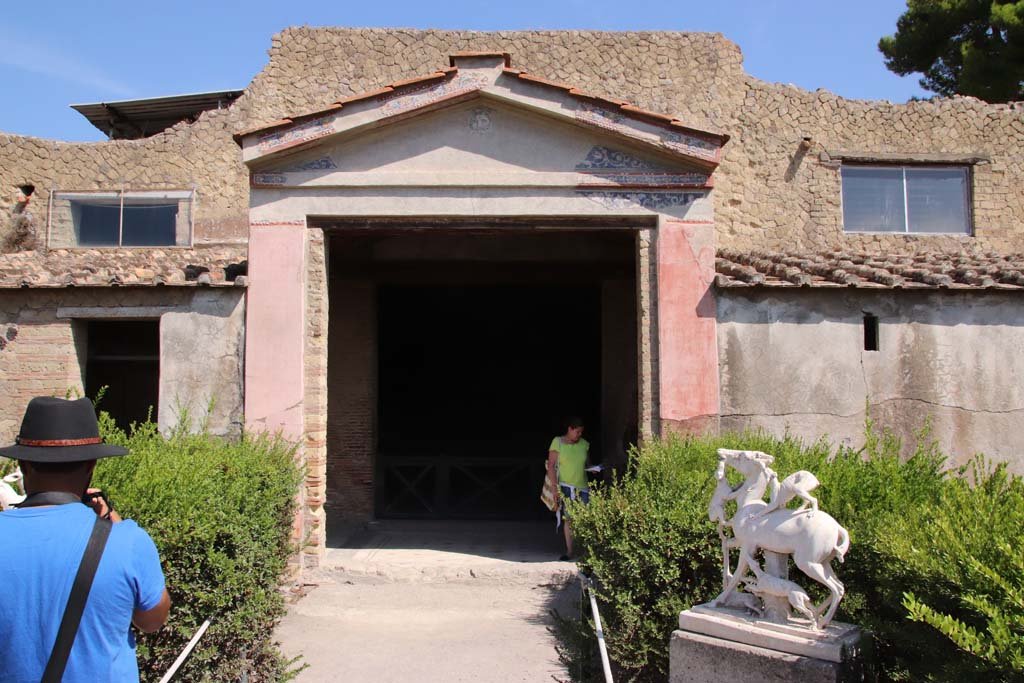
{"points": [[770, 192], [201, 156]]}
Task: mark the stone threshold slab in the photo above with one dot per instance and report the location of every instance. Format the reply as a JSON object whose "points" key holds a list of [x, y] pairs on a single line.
{"points": [[794, 637]]}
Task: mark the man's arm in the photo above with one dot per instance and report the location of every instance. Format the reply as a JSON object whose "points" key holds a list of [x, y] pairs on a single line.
{"points": [[151, 620], [99, 505]]}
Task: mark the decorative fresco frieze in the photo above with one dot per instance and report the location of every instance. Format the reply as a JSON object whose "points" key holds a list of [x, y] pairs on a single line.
{"points": [[648, 179], [615, 121], [614, 199], [321, 164], [421, 96], [599, 116], [303, 132], [607, 166], [601, 158], [267, 179], [691, 144]]}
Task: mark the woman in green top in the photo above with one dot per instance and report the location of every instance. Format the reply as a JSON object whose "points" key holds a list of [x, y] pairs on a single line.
{"points": [[567, 463]]}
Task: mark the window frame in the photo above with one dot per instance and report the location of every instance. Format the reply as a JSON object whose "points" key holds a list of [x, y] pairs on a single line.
{"points": [[967, 170], [177, 193]]}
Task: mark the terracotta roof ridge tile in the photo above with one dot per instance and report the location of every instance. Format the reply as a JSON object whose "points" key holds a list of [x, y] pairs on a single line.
{"points": [[613, 101], [544, 81], [333, 106], [633, 109], [418, 79], [262, 127], [384, 90]]}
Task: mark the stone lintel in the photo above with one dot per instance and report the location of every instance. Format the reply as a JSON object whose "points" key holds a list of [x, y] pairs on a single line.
{"points": [[116, 311], [909, 157]]}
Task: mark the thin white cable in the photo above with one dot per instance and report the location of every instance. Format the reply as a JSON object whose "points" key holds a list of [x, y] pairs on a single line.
{"points": [[185, 653]]}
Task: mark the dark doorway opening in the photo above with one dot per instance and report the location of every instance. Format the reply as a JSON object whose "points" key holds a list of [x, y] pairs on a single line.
{"points": [[455, 352], [474, 381], [123, 360]]}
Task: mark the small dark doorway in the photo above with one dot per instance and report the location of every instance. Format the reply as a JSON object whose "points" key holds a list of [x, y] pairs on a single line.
{"points": [[473, 383], [124, 357]]}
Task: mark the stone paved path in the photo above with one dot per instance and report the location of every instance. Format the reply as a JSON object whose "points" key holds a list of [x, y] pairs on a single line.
{"points": [[426, 601]]}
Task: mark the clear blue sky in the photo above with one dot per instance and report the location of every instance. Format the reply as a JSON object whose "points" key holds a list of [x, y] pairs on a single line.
{"points": [[56, 53]]}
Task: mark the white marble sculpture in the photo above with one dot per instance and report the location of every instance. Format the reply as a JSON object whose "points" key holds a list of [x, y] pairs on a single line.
{"points": [[812, 537], [9, 496]]}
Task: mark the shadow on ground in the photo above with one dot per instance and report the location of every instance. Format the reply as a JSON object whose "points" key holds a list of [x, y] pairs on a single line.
{"points": [[497, 540]]}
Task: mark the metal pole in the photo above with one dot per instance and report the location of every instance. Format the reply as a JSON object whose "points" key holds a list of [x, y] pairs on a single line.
{"points": [[185, 653], [605, 664]]}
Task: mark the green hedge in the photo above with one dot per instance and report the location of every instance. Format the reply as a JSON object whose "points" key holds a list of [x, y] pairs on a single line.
{"points": [[221, 515], [925, 548]]}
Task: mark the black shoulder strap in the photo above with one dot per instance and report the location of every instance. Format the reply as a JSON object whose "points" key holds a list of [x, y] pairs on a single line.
{"points": [[49, 498], [76, 601]]}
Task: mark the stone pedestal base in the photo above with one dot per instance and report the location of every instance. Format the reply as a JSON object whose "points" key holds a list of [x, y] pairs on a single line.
{"points": [[727, 645]]}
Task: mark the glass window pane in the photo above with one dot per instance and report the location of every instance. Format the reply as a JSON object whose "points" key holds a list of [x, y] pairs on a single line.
{"points": [[97, 221], [149, 222], [873, 199], [937, 200], [150, 218]]}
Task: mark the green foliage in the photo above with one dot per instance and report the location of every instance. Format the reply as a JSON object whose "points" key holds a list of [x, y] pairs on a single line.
{"points": [[221, 514], [648, 539], [965, 47], [974, 566]]}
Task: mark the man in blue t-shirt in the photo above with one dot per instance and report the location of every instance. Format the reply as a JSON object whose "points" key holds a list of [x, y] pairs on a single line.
{"points": [[44, 540]]}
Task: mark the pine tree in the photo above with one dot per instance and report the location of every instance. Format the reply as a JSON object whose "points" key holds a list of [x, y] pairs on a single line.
{"points": [[963, 47]]}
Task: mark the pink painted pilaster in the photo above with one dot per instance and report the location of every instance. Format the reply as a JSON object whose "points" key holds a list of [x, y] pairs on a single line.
{"points": [[687, 336], [275, 329]]}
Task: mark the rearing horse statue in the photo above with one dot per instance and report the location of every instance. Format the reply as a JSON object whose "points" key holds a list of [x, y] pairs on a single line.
{"points": [[813, 538]]}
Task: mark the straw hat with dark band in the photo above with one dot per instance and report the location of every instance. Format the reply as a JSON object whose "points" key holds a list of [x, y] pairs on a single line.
{"points": [[58, 430]]}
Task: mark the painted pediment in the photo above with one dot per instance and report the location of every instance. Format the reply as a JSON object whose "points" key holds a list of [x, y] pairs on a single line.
{"points": [[476, 106], [480, 142]]}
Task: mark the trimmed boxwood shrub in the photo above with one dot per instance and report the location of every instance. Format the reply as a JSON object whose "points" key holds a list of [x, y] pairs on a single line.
{"points": [[926, 546], [221, 515]]}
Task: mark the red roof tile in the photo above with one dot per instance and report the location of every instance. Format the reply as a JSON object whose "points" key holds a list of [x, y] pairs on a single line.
{"points": [[419, 79], [261, 127], [929, 270], [220, 265], [365, 95]]}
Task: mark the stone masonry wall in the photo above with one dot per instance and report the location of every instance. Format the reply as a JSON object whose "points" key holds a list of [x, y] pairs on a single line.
{"points": [[201, 156], [769, 192]]}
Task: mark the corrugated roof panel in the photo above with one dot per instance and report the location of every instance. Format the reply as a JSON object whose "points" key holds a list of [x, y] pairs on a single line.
{"points": [[132, 119]]}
